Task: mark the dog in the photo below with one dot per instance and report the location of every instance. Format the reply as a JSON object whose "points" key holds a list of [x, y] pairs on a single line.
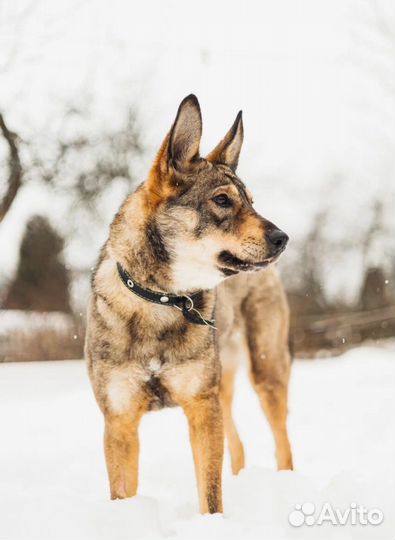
{"points": [[179, 278]]}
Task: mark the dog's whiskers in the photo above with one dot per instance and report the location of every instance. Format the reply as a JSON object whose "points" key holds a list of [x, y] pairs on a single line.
{"points": [[249, 253]]}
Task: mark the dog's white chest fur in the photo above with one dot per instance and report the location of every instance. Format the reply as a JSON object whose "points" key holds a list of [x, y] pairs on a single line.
{"points": [[154, 366], [195, 266]]}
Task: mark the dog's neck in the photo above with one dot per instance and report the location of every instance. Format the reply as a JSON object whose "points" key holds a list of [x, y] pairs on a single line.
{"points": [[136, 243]]}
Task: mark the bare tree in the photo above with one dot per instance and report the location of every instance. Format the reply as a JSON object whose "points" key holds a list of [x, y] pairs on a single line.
{"points": [[25, 30], [85, 163], [82, 164]]}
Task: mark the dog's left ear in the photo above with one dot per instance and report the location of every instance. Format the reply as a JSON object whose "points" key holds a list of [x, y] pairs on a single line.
{"points": [[228, 150]]}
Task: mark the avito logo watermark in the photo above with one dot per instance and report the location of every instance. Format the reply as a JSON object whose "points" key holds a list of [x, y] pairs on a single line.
{"points": [[355, 514]]}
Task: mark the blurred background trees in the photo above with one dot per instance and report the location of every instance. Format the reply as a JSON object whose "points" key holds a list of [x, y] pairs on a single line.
{"points": [[42, 281], [86, 96]]}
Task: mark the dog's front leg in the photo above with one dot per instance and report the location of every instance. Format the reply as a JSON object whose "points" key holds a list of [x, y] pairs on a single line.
{"points": [[207, 439], [121, 446]]}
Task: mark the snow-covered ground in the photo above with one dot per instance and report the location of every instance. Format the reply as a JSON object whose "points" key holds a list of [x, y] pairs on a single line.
{"points": [[53, 482]]}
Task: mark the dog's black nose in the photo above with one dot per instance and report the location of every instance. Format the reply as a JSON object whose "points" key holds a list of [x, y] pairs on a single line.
{"points": [[277, 240]]}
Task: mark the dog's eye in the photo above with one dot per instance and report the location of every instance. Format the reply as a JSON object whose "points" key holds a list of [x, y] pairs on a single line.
{"points": [[223, 200]]}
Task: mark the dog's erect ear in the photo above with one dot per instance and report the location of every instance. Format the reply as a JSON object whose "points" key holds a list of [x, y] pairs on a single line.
{"points": [[228, 150], [178, 150], [186, 133]]}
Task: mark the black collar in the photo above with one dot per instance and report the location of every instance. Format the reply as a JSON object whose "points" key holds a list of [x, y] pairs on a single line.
{"points": [[183, 303]]}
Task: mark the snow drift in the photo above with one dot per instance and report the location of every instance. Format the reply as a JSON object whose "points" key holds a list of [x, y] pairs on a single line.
{"points": [[53, 479]]}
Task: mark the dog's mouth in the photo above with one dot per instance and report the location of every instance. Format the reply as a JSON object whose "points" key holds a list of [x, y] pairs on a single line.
{"points": [[230, 265]]}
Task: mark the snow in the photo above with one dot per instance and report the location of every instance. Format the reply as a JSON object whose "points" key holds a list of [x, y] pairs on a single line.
{"points": [[52, 475]]}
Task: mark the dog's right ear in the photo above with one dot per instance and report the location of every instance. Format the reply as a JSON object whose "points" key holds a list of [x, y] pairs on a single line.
{"points": [[185, 135], [179, 149]]}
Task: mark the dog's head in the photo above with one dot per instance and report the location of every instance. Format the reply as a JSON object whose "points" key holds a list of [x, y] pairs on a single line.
{"points": [[201, 211]]}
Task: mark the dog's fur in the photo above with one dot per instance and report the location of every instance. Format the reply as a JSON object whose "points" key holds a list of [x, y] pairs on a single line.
{"points": [[186, 229]]}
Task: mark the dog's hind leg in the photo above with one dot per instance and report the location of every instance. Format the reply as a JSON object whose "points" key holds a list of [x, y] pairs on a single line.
{"points": [[270, 368], [273, 397], [235, 445], [207, 440], [121, 446]]}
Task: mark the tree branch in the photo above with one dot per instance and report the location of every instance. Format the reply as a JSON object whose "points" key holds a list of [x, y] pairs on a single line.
{"points": [[14, 181]]}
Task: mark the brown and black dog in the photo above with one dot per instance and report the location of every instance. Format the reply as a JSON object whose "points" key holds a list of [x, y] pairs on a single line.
{"points": [[186, 229]]}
